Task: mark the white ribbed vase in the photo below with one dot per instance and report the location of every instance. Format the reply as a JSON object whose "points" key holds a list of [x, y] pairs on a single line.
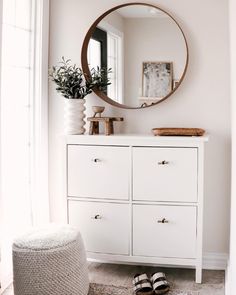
{"points": [[74, 116]]}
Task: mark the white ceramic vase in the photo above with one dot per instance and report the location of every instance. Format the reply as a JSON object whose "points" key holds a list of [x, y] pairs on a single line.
{"points": [[74, 116]]}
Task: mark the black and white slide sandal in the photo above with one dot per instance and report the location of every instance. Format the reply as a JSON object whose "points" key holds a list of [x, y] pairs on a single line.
{"points": [[159, 283], [142, 285]]}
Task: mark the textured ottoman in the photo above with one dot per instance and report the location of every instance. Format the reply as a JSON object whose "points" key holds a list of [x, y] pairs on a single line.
{"points": [[50, 261]]}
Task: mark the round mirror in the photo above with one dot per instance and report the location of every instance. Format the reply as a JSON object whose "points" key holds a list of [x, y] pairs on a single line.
{"points": [[145, 50]]}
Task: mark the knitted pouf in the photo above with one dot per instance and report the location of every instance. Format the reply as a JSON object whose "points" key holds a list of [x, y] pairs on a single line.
{"points": [[50, 261]]}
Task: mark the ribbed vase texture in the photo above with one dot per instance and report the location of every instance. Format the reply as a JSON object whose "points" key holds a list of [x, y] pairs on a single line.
{"points": [[74, 116]]}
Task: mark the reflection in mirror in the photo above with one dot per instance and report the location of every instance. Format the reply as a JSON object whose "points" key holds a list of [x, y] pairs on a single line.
{"points": [[146, 51]]}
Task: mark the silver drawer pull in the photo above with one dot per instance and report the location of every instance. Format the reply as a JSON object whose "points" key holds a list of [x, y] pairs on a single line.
{"points": [[163, 163], [96, 160], [163, 221], [97, 217]]}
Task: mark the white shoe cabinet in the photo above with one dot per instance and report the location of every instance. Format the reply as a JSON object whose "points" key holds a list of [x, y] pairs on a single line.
{"points": [[137, 199]]}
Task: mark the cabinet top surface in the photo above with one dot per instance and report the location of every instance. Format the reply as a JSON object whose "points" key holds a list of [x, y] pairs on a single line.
{"points": [[136, 139]]}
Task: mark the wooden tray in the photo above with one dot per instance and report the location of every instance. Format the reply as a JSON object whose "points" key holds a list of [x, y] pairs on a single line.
{"points": [[178, 131]]}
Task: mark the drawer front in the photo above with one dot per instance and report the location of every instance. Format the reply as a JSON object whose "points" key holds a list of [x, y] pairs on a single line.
{"points": [[98, 172], [104, 227], [174, 238], [165, 174]]}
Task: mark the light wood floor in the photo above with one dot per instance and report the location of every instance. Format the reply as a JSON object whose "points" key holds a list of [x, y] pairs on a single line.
{"points": [[183, 279]]}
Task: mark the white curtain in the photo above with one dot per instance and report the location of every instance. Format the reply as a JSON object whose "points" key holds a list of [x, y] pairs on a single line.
{"points": [[24, 195]]}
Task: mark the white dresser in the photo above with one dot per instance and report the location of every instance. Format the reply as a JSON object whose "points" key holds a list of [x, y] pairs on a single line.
{"points": [[137, 198]]}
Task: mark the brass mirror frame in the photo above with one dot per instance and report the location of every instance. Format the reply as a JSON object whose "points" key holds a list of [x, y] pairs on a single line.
{"points": [[85, 65]]}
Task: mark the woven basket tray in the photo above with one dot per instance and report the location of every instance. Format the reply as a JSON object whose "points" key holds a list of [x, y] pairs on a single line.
{"points": [[178, 131]]}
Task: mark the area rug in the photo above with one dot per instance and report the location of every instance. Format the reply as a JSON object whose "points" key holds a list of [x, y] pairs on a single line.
{"points": [[98, 289]]}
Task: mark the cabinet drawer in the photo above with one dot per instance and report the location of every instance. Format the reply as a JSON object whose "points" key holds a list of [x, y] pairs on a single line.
{"points": [[98, 172], [175, 237], [104, 227], [165, 174]]}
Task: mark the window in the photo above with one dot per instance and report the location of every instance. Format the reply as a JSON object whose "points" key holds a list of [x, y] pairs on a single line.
{"points": [[97, 53], [16, 102], [114, 59], [105, 49], [21, 120], [94, 53]]}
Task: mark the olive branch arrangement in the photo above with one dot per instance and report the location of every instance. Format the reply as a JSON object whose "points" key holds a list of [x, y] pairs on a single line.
{"points": [[72, 83]]}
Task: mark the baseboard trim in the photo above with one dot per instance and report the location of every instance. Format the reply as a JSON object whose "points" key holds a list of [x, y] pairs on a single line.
{"points": [[215, 261], [211, 261]]}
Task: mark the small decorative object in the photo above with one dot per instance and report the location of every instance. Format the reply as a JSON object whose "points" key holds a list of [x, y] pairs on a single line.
{"points": [[74, 85], [98, 110], [175, 83], [157, 79], [108, 121], [147, 101], [178, 131], [144, 105]]}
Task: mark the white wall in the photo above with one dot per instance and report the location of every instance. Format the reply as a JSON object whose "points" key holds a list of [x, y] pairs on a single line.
{"points": [[201, 101], [230, 276], [150, 39], [115, 20]]}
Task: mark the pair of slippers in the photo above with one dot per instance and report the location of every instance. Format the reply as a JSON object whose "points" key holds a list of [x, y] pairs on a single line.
{"points": [[157, 284]]}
